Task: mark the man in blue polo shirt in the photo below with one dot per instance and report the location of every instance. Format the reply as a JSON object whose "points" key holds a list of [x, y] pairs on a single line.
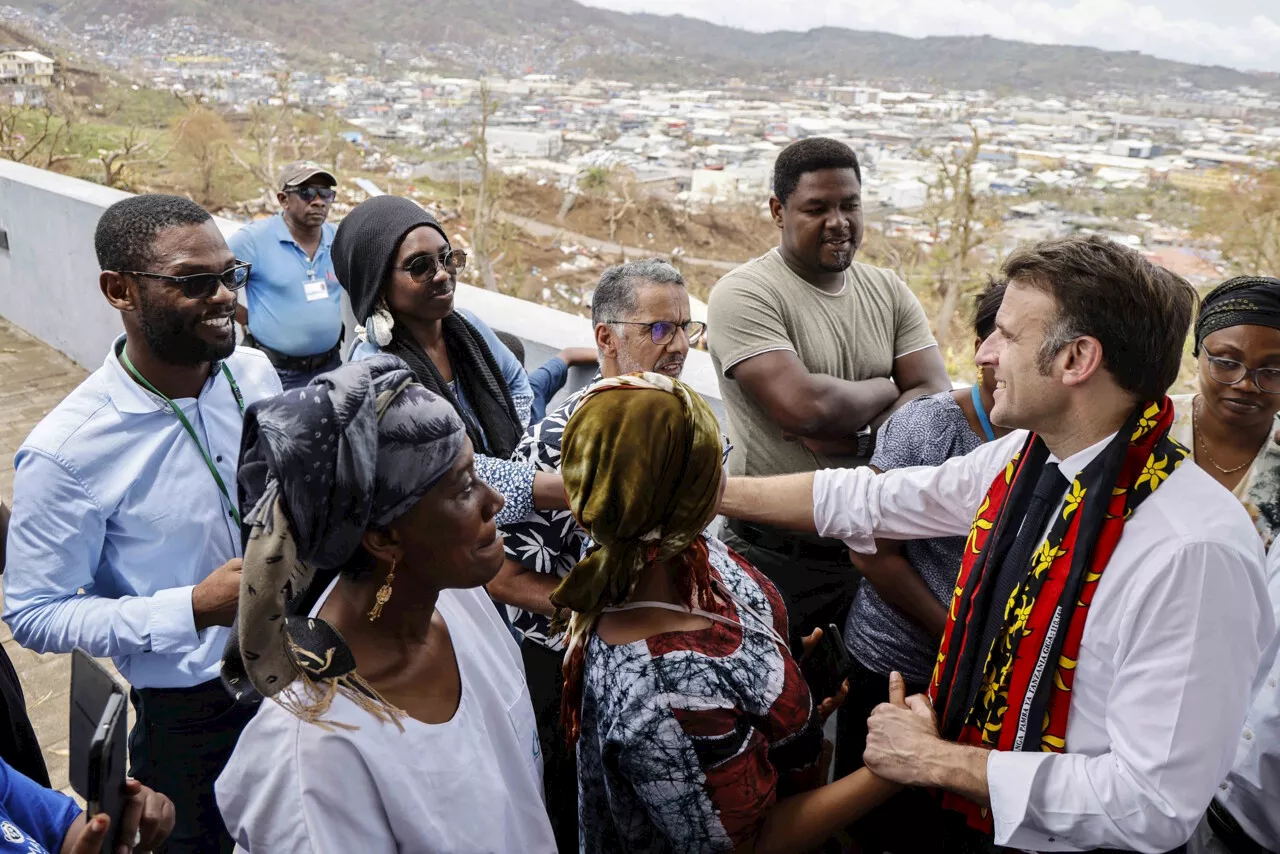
{"points": [[295, 308]]}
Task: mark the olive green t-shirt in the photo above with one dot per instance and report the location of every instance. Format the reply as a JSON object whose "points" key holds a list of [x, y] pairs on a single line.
{"points": [[853, 335]]}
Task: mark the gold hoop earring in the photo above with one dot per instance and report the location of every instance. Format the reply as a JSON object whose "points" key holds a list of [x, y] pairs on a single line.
{"points": [[383, 595]]}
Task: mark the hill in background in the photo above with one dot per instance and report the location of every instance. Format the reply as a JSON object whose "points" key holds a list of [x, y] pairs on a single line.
{"points": [[568, 38]]}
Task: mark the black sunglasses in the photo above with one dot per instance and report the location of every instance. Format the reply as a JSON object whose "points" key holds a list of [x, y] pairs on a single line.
{"points": [[308, 194], [424, 268], [202, 285], [660, 331]]}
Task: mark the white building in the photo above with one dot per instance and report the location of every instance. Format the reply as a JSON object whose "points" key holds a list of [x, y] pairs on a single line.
{"points": [[733, 183], [25, 68], [523, 143], [904, 195], [1130, 148]]}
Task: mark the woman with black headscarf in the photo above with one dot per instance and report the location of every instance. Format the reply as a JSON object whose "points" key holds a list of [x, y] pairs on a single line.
{"points": [[397, 266], [1230, 422], [396, 715]]}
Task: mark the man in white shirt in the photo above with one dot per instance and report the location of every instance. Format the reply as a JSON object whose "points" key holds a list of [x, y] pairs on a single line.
{"points": [[1106, 628]]}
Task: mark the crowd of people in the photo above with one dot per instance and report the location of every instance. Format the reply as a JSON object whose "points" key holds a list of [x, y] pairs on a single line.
{"points": [[405, 594]]}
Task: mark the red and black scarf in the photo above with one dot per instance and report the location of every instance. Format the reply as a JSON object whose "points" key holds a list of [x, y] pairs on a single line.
{"points": [[1025, 680]]}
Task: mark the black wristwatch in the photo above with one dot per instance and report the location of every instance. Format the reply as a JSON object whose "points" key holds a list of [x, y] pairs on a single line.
{"points": [[866, 441]]}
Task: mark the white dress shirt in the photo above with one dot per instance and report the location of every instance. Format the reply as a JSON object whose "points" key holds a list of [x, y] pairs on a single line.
{"points": [[1169, 653], [112, 497], [1251, 792]]}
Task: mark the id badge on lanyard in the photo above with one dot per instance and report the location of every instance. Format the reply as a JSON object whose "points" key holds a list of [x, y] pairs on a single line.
{"points": [[315, 289]]}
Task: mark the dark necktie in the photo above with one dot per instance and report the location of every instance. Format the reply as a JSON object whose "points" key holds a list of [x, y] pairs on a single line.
{"points": [[1017, 563]]}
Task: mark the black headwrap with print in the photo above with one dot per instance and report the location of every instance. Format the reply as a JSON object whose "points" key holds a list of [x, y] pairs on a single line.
{"points": [[1242, 301], [354, 450]]}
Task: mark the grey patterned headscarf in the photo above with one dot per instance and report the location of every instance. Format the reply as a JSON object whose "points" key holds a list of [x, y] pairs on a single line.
{"points": [[353, 450]]}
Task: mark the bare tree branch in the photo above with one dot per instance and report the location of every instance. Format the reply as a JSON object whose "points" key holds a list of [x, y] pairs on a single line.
{"points": [[484, 204], [960, 221]]}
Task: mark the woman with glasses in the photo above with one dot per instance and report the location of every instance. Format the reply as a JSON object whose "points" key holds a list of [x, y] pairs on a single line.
{"points": [[395, 262], [1228, 425]]}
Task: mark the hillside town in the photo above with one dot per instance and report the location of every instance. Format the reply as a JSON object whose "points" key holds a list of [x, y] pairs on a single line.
{"points": [[698, 147]]}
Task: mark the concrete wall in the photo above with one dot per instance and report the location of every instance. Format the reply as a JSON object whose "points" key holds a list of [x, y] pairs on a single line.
{"points": [[49, 281], [49, 274]]}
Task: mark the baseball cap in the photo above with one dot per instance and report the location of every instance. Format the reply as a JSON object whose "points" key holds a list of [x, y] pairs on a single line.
{"points": [[303, 170]]}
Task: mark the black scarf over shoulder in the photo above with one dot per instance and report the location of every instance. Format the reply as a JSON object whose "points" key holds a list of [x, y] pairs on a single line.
{"points": [[479, 378]]}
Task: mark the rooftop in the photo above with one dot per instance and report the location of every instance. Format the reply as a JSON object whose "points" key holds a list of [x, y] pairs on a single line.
{"points": [[25, 55]]}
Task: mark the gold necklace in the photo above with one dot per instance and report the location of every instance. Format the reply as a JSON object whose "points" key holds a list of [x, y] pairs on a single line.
{"points": [[1195, 428]]}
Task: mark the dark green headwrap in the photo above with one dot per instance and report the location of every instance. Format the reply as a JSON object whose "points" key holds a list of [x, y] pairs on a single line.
{"points": [[641, 459]]}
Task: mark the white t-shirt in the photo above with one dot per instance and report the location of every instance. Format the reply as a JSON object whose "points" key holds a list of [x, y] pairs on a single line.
{"points": [[473, 784]]}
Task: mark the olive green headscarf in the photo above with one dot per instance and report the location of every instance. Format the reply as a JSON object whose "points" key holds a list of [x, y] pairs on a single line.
{"points": [[641, 459]]}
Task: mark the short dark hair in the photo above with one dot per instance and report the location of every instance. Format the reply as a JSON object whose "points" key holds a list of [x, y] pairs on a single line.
{"points": [[615, 296], [986, 306], [127, 231], [1138, 311], [810, 155], [514, 344]]}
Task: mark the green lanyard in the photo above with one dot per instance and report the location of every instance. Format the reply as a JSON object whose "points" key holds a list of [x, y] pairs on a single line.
{"points": [[191, 431]]}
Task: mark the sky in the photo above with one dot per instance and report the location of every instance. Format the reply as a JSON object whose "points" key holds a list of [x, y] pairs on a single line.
{"points": [[1241, 34]]}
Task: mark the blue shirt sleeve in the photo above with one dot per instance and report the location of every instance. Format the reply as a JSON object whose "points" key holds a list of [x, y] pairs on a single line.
{"points": [[512, 479], [242, 244], [898, 442], [40, 814], [927, 431], [545, 382], [56, 537]]}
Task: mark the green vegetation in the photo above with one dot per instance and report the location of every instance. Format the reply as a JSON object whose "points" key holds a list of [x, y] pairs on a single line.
{"points": [[1164, 204], [1246, 223]]}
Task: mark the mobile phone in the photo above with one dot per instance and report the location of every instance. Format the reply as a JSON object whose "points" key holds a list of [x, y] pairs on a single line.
{"points": [[827, 665], [98, 735]]}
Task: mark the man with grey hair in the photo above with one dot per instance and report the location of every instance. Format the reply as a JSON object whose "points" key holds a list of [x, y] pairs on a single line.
{"points": [[639, 310], [641, 316]]}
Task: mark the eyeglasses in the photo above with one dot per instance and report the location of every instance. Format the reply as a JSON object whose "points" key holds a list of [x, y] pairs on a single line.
{"points": [[202, 285], [1230, 372], [308, 194], [425, 267], [661, 331]]}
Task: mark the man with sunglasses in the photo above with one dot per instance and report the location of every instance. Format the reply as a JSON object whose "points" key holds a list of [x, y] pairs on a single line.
{"points": [[125, 533], [294, 311], [642, 323]]}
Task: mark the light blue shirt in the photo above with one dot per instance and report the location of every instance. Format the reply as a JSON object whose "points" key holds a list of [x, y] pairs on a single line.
{"points": [[111, 496], [513, 479], [284, 312]]}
